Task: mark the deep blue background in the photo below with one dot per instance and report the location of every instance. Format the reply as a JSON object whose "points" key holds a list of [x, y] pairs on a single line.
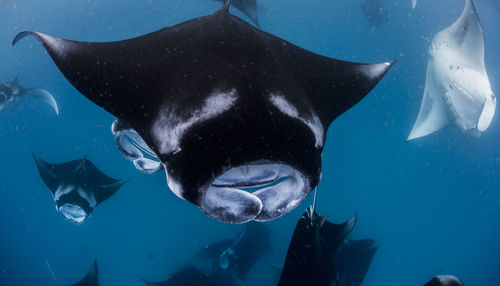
{"points": [[433, 205]]}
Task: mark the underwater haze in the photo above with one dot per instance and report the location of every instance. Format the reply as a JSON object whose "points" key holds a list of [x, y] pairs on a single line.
{"points": [[432, 204]]}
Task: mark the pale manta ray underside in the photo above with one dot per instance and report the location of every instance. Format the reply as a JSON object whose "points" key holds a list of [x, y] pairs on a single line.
{"points": [[457, 89], [11, 92], [223, 105]]}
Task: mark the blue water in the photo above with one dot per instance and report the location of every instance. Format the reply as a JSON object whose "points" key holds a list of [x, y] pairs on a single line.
{"points": [[432, 205]]}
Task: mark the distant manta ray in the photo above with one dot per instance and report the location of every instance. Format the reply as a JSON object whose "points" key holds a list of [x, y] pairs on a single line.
{"points": [[320, 255], [77, 186], [457, 89], [223, 262], [11, 92], [223, 105]]}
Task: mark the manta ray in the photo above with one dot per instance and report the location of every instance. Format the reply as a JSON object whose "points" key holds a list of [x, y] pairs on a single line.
{"points": [[237, 116], [457, 89], [444, 280], [352, 261], [413, 3], [11, 92], [223, 262], [77, 186], [92, 277], [309, 259]]}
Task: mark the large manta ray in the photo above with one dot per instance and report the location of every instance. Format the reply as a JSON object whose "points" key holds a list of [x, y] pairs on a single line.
{"points": [[223, 105], [77, 186]]}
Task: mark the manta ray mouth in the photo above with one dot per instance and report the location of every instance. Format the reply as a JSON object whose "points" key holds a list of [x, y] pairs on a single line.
{"points": [[73, 213], [258, 192]]}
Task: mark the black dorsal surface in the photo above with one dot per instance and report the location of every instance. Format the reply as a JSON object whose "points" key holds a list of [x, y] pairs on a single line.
{"points": [[215, 95]]}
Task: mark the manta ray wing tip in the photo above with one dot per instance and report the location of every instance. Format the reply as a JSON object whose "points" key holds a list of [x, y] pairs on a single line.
{"points": [[22, 35]]}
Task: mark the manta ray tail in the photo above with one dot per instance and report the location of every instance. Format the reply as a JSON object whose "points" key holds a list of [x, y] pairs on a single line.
{"points": [[43, 95]]}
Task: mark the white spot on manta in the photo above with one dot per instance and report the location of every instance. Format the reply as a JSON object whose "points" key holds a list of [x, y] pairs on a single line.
{"points": [[312, 121], [169, 125]]}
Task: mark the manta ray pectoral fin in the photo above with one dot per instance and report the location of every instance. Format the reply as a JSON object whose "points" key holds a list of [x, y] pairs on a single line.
{"points": [[92, 277], [487, 113], [433, 114], [90, 67], [46, 172], [413, 3], [334, 86], [466, 36], [45, 96], [105, 192], [336, 233]]}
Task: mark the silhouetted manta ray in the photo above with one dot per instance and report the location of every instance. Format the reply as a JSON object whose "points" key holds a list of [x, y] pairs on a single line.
{"points": [[248, 7], [78, 186], [92, 277], [223, 105], [309, 260], [11, 92], [223, 262], [352, 261]]}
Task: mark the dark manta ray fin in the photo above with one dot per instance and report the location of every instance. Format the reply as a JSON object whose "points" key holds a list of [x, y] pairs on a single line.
{"points": [[330, 232], [106, 185], [309, 260], [92, 277], [51, 173], [353, 260], [334, 86]]}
